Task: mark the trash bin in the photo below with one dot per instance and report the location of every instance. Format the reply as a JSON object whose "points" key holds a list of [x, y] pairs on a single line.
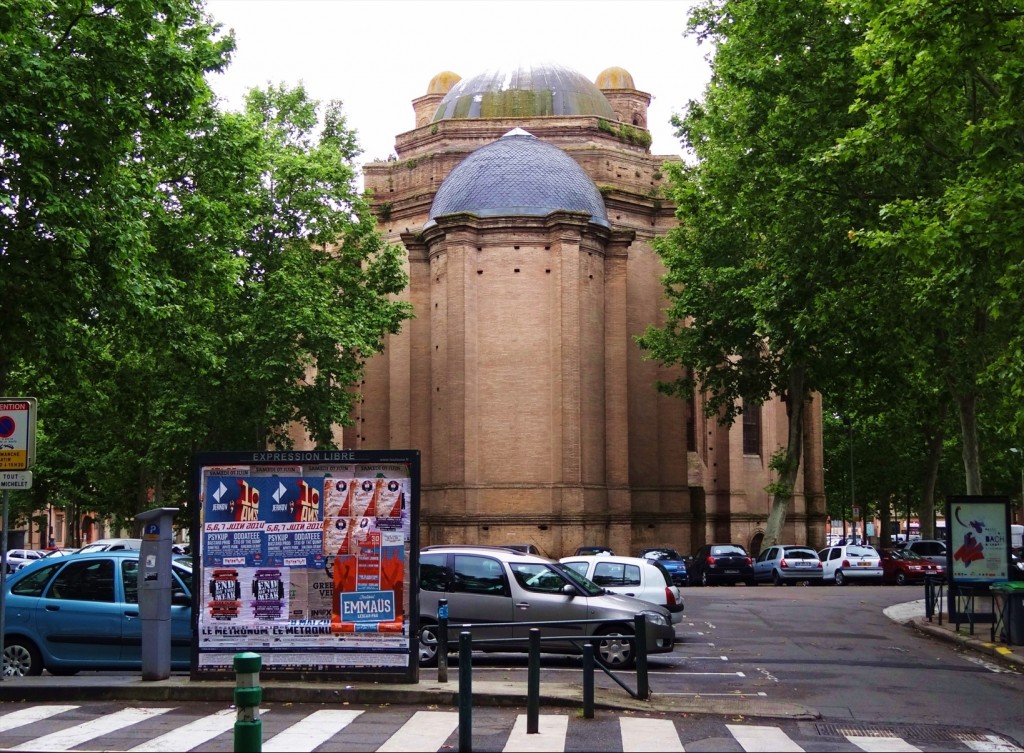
{"points": [[1011, 594]]}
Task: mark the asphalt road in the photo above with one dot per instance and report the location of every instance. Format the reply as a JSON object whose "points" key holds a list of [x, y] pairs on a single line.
{"points": [[830, 648]]}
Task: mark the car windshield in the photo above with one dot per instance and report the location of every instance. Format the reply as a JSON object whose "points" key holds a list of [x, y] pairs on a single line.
{"points": [[801, 554], [861, 551], [588, 586], [720, 550], [908, 554], [662, 554]]}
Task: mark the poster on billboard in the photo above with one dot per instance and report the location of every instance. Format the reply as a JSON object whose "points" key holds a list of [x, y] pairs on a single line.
{"points": [[979, 539], [304, 558]]}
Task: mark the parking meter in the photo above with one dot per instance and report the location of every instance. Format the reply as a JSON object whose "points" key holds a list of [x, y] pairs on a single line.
{"points": [[155, 583]]}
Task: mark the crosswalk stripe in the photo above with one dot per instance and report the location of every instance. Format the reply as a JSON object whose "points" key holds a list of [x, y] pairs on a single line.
{"points": [[21, 717], [426, 731], [549, 737], [755, 738], [882, 744], [190, 736], [69, 738], [991, 744], [313, 730], [640, 735]]}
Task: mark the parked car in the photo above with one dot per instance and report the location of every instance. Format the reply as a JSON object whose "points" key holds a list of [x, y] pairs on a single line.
{"points": [[904, 566], [587, 551], [492, 584], [111, 545], [17, 557], [643, 579], [788, 563], [673, 561], [932, 549], [48, 554], [851, 563], [82, 613], [714, 564]]}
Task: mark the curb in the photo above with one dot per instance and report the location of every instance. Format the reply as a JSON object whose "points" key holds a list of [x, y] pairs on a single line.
{"points": [[1001, 652]]}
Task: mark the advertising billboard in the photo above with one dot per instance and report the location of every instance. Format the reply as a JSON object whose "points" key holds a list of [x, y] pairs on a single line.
{"points": [[304, 557]]}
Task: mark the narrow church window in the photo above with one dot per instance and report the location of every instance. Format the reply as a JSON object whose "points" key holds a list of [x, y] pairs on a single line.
{"points": [[751, 429]]}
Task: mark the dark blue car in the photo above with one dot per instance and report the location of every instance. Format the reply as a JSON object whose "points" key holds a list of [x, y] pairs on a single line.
{"points": [[671, 559]]}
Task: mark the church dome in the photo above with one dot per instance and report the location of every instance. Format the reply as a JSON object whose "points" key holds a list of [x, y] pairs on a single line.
{"points": [[443, 82], [518, 175], [526, 91], [615, 78]]}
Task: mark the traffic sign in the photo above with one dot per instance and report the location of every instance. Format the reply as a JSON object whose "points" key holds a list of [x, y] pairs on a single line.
{"points": [[15, 479], [17, 433], [856, 512]]}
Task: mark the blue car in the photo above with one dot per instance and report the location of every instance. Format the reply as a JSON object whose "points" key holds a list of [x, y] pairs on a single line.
{"points": [[67, 614], [673, 561]]}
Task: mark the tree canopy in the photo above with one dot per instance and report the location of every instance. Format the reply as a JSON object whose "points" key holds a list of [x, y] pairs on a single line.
{"points": [[188, 279]]}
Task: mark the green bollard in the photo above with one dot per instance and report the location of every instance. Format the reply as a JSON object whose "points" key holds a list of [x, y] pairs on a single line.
{"points": [[248, 696]]}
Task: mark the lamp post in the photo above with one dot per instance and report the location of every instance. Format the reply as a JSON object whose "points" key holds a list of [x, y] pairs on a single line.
{"points": [[1018, 451]]}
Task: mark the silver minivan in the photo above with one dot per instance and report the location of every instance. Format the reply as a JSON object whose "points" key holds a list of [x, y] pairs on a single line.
{"points": [[499, 585]]}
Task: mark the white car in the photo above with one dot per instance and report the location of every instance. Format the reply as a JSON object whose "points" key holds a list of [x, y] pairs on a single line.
{"points": [[851, 563], [647, 580], [15, 558]]}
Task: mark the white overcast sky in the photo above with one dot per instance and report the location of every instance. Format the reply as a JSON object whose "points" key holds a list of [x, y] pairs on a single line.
{"points": [[376, 56]]}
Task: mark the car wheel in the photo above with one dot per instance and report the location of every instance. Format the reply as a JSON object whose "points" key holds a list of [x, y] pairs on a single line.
{"points": [[750, 582], [776, 578], [428, 645], [901, 579], [840, 578], [21, 658], [613, 652]]}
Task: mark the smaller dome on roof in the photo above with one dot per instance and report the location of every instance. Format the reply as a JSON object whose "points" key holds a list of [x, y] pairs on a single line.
{"points": [[443, 82], [615, 78]]}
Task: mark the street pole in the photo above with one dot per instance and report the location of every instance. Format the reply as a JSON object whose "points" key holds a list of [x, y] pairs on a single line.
{"points": [[852, 496], [1017, 451]]}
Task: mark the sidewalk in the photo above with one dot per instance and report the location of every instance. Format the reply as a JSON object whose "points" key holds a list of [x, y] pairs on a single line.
{"points": [[428, 691]]}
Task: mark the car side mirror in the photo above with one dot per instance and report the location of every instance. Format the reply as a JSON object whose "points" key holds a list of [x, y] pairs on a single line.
{"points": [[569, 589], [181, 599]]}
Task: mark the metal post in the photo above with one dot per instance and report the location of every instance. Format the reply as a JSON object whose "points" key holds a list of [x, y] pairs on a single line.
{"points": [[643, 689], [533, 684], [465, 692], [3, 583], [853, 496], [442, 640], [588, 681], [248, 696]]}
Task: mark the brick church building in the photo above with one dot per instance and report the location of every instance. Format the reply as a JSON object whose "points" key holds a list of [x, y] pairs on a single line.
{"points": [[527, 201]]}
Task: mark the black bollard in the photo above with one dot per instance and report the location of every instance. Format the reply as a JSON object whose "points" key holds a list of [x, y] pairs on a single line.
{"points": [[533, 684], [465, 692]]}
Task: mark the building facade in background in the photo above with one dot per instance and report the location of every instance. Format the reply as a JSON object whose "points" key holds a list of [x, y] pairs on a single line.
{"points": [[527, 201]]}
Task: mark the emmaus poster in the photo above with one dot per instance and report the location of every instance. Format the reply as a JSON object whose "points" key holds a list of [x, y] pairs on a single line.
{"points": [[306, 563]]}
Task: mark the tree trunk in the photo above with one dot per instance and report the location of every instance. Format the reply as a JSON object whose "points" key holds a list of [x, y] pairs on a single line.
{"points": [[934, 439], [968, 406], [788, 465]]}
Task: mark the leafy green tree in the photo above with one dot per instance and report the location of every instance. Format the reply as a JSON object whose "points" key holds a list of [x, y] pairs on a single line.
{"points": [[86, 86], [765, 295], [941, 98]]}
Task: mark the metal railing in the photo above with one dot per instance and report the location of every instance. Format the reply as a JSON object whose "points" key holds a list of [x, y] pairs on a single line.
{"points": [[534, 639]]}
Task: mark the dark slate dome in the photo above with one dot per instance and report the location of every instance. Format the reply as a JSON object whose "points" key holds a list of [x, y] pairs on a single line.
{"points": [[518, 175], [523, 92]]}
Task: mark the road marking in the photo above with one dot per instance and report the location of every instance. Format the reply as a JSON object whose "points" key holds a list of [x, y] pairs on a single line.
{"points": [[21, 717], [549, 737], [882, 744], [82, 733], [312, 731], [759, 739], [760, 694], [992, 744], [192, 735], [640, 735], [425, 731]]}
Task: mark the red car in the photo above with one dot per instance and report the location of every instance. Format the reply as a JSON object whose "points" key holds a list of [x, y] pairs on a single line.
{"points": [[902, 566]]}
